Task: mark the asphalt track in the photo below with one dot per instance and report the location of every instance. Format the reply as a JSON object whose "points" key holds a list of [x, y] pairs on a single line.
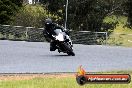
{"points": [[35, 57]]}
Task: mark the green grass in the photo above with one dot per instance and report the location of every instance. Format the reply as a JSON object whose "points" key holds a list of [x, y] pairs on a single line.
{"points": [[47, 82], [121, 35]]}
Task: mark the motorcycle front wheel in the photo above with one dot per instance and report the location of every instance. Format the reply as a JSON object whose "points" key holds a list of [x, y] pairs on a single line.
{"points": [[71, 53], [69, 49]]}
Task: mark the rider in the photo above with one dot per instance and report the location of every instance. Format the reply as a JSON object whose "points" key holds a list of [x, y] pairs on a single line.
{"points": [[49, 31]]}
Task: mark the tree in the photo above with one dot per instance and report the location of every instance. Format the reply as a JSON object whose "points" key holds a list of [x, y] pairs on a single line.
{"points": [[7, 9], [56, 7], [129, 11], [88, 14], [84, 14], [32, 15]]}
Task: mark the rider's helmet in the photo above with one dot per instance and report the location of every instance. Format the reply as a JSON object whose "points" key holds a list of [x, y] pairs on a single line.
{"points": [[48, 22]]}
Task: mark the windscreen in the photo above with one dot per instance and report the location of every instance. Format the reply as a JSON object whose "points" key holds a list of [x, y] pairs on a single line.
{"points": [[57, 31]]}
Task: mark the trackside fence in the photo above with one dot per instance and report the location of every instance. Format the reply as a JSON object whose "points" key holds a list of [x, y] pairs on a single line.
{"points": [[90, 38], [20, 33]]}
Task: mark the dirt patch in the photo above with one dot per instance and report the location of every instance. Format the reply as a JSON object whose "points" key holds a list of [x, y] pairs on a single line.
{"points": [[5, 77]]}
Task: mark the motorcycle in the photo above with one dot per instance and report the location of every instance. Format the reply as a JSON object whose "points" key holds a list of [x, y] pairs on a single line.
{"points": [[63, 42]]}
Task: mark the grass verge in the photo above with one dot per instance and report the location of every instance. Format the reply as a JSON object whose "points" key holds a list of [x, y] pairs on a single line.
{"points": [[51, 81], [121, 35]]}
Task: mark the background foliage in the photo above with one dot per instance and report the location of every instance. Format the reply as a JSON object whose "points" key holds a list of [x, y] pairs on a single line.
{"points": [[82, 15], [7, 10]]}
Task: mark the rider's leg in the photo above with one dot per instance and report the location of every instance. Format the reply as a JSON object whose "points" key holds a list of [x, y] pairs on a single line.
{"points": [[53, 46]]}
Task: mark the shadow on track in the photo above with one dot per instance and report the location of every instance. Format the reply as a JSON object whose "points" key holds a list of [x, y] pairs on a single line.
{"points": [[56, 55], [60, 55]]}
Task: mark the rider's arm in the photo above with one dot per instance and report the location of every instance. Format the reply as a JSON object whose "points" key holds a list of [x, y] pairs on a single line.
{"points": [[46, 35], [62, 28]]}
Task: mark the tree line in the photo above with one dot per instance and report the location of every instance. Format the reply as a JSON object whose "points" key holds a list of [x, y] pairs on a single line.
{"points": [[8, 8], [82, 14], [89, 14]]}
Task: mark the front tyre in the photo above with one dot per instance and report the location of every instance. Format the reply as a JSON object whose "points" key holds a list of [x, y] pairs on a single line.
{"points": [[69, 49], [71, 53]]}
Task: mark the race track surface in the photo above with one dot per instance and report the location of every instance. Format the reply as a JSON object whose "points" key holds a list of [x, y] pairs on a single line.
{"points": [[35, 57]]}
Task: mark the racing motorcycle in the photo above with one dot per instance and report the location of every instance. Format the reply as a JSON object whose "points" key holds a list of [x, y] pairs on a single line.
{"points": [[63, 42]]}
